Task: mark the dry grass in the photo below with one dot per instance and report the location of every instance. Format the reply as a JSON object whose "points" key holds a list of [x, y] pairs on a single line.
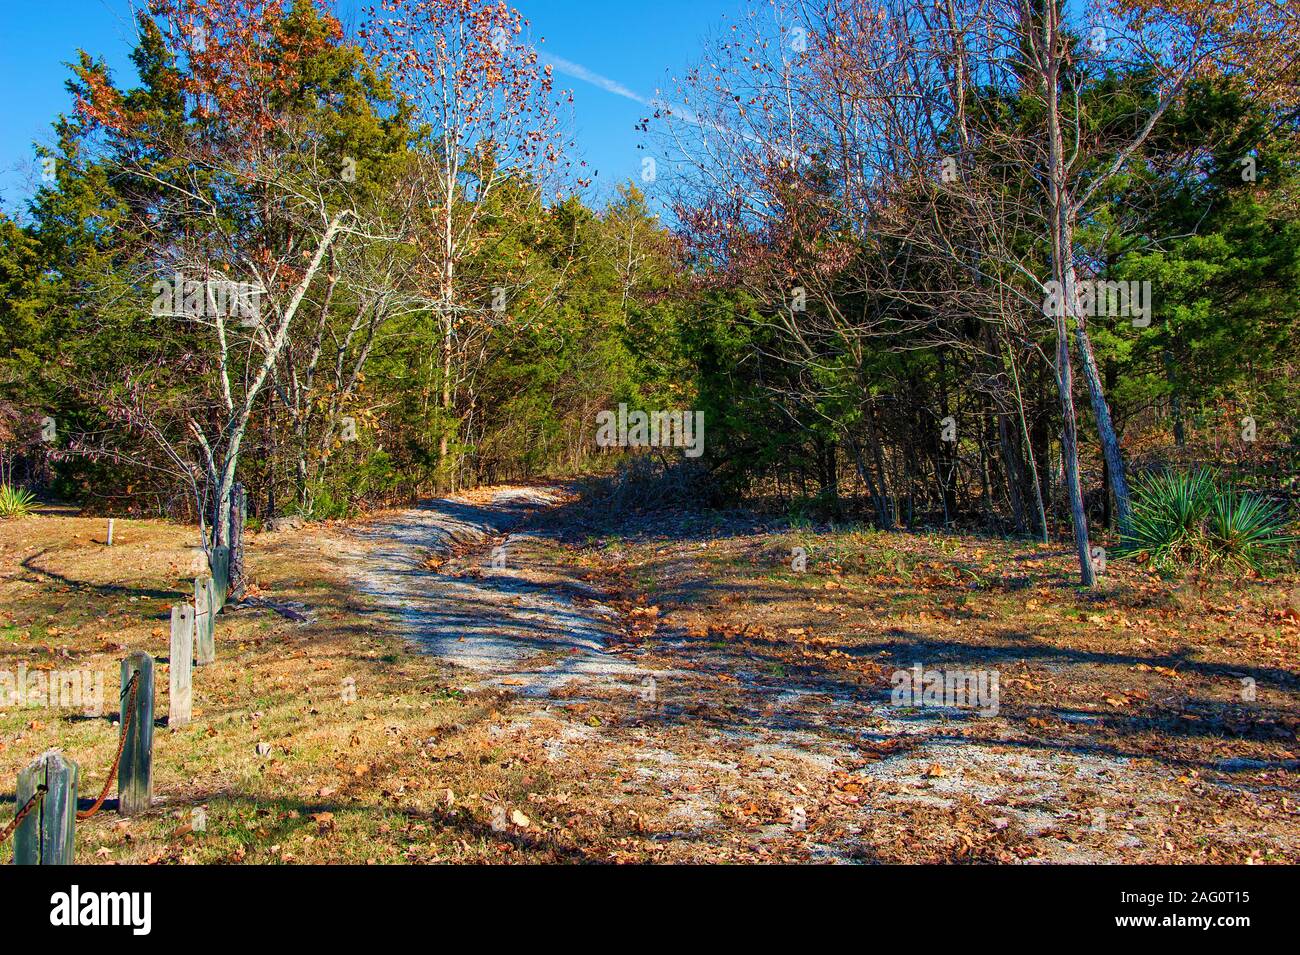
{"points": [[1151, 676], [409, 772]]}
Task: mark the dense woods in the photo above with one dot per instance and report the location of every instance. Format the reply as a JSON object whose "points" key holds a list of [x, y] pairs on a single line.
{"points": [[918, 263]]}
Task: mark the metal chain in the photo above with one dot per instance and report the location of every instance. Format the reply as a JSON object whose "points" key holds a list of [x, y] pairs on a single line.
{"points": [[41, 790], [127, 712], [22, 813]]}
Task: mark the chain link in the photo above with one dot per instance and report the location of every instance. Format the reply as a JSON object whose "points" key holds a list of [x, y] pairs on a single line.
{"points": [[127, 712], [23, 813]]}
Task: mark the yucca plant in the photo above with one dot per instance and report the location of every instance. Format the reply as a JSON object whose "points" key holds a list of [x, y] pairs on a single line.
{"points": [[1186, 520], [15, 501], [1169, 512], [1248, 532]]}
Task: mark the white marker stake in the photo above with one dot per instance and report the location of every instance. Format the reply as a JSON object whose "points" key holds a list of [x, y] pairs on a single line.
{"points": [[110, 532]]}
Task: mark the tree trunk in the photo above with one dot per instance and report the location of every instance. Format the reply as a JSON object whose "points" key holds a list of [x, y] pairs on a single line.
{"points": [[238, 515], [873, 488], [877, 454], [828, 472], [1029, 446], [1051, 58], [1105, 428], [1070, 453], [1014, 472], [445, 402], [447, 294]]}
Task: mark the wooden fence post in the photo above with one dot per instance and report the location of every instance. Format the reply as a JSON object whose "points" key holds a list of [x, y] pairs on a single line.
{"points": [[205, 649], [135, 774], [238, 518], [48, 834], [220, 576], [180, 699]]}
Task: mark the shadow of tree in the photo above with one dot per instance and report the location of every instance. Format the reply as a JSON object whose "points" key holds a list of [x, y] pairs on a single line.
{"points": [[85, 586]]}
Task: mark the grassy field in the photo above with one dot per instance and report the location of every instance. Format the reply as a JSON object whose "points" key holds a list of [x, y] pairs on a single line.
{"points": [[405, 773]]}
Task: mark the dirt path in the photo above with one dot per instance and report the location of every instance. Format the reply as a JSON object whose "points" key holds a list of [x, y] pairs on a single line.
{"points": [[703, 756], [469, 591]]}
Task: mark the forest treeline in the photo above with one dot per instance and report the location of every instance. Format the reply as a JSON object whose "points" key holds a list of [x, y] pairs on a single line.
{"points": [[920, 261], [413, 310]]}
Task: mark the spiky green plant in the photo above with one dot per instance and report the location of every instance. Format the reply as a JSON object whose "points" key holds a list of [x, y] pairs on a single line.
{"points": [[15, 501], [1248, 532], [1169, 509], [1186, 520]]}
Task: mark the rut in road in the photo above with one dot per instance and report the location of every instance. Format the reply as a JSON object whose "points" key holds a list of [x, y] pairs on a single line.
{"points": [[495, 619]]}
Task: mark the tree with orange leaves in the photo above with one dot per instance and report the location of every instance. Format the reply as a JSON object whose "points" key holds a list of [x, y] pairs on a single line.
{"points": [[231, 161], [488, 112]]}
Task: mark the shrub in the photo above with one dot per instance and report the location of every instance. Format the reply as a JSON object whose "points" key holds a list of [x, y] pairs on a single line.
{"points": [[325, 507], [1248, 532], [646, 482], [1183, 520], [15, 501]]}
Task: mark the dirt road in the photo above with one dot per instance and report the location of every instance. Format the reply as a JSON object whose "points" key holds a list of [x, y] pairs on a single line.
{"points": [[712, 757]]}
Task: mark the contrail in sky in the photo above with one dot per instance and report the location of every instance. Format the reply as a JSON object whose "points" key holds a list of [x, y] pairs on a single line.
{"points": [[580, 72]]}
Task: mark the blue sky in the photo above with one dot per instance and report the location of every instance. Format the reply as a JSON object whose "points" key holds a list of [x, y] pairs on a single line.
{"points": [[635, 46]]}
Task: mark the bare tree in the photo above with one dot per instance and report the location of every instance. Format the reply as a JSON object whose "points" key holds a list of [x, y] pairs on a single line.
{"points": [[236, 216], [936, 134]]}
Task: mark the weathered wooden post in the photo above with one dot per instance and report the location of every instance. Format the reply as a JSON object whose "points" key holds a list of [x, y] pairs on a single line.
{"points": [[110, 532], [180, 699], [135, 774], [238, 518], [47, 835], [220, 576], [205, 649]]}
